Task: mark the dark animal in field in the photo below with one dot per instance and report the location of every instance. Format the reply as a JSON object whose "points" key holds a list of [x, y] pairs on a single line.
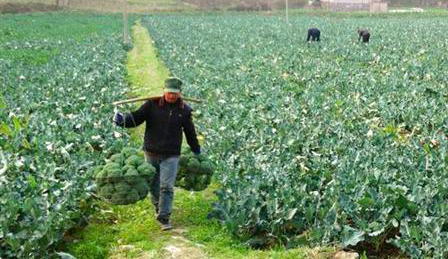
{"points": [[364, 34], [313, 34]]}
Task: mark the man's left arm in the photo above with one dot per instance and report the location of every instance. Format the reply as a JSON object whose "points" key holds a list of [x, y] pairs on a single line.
{"points": [[190, 133]]}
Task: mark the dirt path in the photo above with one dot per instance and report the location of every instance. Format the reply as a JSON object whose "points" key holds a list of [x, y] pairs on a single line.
{"points": [[177, 247], [147, 74], [146, 71]]}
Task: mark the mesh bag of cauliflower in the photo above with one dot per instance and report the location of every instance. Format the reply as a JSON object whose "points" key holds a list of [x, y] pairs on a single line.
{"points": [[125, 177], [195, 171]]}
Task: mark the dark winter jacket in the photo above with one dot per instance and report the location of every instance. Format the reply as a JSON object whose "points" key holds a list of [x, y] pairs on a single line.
{"points": [[164, 125]]}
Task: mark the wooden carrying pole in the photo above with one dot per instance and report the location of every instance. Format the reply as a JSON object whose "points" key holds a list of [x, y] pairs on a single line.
{"points": [[147, 98]]}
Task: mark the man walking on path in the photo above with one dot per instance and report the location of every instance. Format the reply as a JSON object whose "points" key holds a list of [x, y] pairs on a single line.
{"points": [[166, 118]]}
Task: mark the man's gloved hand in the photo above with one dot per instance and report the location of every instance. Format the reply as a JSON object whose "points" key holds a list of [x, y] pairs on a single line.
{"points": [[118, 119]]}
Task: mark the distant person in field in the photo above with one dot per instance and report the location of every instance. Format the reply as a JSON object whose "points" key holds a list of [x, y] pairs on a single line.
{"points": [[167, 118], [364, 34], [313, 34]]}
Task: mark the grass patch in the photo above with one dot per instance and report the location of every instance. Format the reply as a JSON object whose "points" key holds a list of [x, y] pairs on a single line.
{"points": [[116, 229], [145, 71]]}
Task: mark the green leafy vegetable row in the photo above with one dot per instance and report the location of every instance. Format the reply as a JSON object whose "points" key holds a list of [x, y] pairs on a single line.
{"points": [[59, 74], [331, 143]]}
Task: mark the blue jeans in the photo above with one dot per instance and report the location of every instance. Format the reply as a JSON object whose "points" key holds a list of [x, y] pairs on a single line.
{"points": [[162, 185]]}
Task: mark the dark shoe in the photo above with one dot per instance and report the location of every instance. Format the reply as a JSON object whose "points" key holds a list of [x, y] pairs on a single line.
{"points": [[165, 224]]}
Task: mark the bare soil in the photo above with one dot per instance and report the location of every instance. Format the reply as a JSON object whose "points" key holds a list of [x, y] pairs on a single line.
{"points": [[26, 7]]}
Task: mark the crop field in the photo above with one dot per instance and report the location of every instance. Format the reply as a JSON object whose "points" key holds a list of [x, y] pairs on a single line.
{"points": [[337, 143], [59, 74]]}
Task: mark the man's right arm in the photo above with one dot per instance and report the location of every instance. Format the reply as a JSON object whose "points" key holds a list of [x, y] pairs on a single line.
{"points": [[190, 133], [134, 118]]}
